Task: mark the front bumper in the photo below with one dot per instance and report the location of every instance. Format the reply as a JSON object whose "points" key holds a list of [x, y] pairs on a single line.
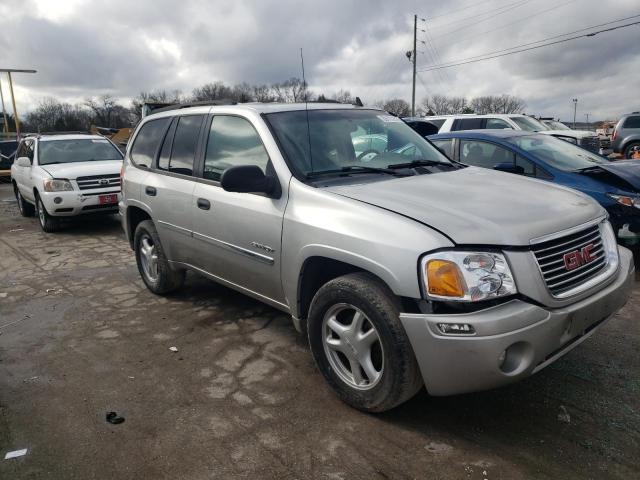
{"points": [[71, 203], [533, 336]]}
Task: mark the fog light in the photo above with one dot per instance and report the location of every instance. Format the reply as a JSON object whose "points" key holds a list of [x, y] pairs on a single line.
{"points": [[456, 328], [57, 200]]}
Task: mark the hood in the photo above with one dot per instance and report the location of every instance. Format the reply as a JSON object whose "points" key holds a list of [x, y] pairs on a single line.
{"points": [[73, 170], [570, 133], [480, 206], [624, 174]]}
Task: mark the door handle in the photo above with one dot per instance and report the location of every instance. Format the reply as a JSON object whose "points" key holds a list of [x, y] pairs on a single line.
{"points": [[151, 191], [203, 204]]}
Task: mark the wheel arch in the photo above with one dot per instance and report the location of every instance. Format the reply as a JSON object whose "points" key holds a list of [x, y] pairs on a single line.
{"points": [[135, 215]]}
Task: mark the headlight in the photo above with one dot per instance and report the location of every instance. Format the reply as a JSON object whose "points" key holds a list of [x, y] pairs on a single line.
{"points": [[57, 185], [625, 200], [467, 276]]}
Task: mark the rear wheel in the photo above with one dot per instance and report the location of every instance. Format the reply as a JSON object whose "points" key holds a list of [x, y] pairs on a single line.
{"points": [[153, 265], [26, 209], [628, 150], [48, 223], [359, 344]]}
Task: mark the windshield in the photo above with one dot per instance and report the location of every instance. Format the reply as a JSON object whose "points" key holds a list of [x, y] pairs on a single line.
{"points": [[557, 153], [553, 125], [78, 150], [348, 139], [529, 124]]}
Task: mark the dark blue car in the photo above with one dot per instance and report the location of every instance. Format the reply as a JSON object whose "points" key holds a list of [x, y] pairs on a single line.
{"points": [[615, 185]]}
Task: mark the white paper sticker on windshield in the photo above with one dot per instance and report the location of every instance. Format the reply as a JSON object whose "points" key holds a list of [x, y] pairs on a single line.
{"points": [[100, 140], [389, 118]]}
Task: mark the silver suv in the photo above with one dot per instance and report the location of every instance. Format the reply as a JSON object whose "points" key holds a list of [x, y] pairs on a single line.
{"points": [[626, 135], [401, 267]]}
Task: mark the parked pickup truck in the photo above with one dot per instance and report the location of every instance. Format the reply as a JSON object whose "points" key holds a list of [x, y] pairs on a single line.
{"points": [[403, 268]]}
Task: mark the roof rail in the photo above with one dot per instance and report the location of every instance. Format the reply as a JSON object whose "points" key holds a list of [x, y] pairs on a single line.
{"points": [[204, 103]]}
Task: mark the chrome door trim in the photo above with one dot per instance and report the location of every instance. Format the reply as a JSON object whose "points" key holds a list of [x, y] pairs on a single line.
{"points": [[268, 300], [176, 228], [234, 248]]}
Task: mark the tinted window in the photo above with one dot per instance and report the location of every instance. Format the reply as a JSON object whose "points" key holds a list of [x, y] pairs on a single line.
{"points": [[185, 142], [424, 128], [467, 124], [232, 141], [445, 145], [147, 141], [496, 123], [29, 147], [483, 154], [632, 122], [437, 123]]}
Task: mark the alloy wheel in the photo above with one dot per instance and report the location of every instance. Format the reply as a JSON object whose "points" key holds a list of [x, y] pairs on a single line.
{"points": [[352, 345], [149, 258]]}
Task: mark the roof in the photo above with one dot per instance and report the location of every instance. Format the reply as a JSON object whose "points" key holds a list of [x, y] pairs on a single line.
{"points": [[262, 107], [473, 115], [484, 134], [51, 137]]}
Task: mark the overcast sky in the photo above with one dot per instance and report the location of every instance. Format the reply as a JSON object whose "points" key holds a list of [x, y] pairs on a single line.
{"points": [[87, 48]]}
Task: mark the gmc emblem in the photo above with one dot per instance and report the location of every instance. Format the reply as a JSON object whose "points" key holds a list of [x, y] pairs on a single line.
{"points": [[577, 258]]}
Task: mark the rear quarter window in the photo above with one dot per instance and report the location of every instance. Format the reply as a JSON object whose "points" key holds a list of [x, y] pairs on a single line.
{"points": [[632, 122], [467, 124], [147, 142]]}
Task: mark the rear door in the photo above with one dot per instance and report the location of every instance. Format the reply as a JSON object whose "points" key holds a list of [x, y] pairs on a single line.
{"points": [[24, 174], [168, 190], [237, 236]]}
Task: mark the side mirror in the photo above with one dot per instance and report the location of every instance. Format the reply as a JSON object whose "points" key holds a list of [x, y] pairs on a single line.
{"points": [[509, 168], [249, 179], [23, 162]]}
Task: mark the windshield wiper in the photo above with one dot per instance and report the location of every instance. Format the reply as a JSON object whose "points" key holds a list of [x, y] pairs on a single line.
{"points": [[353, 169], [421, 163]]}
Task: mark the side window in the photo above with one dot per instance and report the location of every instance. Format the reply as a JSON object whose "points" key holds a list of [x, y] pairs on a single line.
{"points": [[529, 168], [467, 124], [20, 151], [632, 122], [484, 154], [147, 142], [183, 149], [445, 145], [496, 124], [232, 141]]}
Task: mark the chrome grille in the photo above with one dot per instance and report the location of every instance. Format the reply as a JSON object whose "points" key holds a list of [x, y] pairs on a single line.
{"points": [[591, 143], [98, 181], [551, 259]]}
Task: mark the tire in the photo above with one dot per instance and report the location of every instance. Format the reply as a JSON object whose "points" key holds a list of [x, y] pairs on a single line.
{"points": [[48, 223], [394, 376], [26, 209], [628, 148], [153, 266]]}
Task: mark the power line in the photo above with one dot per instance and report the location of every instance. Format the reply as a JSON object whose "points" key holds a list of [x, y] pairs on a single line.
{"points": [[443, 64], [592, 34], [478, 14], [462, 39], [480, 20], [468, 6]]}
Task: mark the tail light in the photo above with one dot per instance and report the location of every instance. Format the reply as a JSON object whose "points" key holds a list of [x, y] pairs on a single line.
{"points": [[614, 135]]}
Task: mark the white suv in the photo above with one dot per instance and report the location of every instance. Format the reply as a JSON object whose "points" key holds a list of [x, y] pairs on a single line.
{"points": [[66, 175], [454, 123]]}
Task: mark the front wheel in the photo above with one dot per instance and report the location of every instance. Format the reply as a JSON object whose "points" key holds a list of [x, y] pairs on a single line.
{"points": [[359, 344], [629, 149], [48, 223], [26, 209], [153, 265]]}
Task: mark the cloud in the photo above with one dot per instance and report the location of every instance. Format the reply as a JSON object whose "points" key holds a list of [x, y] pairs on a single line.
{"points": [[83, 49]]}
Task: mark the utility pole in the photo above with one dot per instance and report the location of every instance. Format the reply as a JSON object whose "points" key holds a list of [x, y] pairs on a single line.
{"points": [[587, 115], [575, 109], [413, 89]]}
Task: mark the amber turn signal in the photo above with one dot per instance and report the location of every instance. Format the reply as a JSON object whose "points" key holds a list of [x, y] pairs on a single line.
{"points": [[444, 279]]}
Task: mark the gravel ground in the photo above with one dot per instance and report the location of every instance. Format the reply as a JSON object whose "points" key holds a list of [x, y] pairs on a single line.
{"points": [[241, 398]]}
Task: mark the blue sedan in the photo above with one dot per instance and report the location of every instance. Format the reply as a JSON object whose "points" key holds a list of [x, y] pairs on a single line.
{"points": [[615, 185]]}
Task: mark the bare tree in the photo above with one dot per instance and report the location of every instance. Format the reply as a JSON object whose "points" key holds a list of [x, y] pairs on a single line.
{"points": [[292, 90], [262, 93], [212, 91], [107, 112], [344, 96], [51, 115], [498, 104], [398, 107]]}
